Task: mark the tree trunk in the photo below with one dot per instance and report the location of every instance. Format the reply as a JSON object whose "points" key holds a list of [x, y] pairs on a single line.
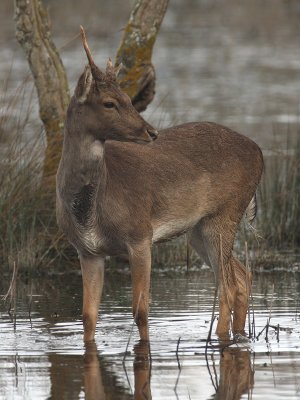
{"points": [[33, 33], [137, 78]]}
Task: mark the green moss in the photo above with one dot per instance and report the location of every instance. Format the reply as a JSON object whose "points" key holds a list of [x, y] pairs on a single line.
{"points": [[135, 53]]}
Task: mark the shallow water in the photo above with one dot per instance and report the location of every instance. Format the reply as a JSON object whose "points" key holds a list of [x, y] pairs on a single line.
{"points": [[42, 354]]}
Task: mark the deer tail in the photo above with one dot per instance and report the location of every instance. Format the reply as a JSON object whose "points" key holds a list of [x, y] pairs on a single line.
{"points": [[251, 210]]}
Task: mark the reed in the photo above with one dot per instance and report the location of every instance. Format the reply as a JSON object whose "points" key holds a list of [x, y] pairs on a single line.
{"points": [[28, 233], [279, 198]]}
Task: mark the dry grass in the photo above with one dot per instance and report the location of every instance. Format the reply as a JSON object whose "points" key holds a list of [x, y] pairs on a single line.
{"points": [[279, 197], [28, 233]]}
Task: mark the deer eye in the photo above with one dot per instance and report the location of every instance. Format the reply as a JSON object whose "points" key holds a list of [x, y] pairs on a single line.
{"points": [[109, 104]]}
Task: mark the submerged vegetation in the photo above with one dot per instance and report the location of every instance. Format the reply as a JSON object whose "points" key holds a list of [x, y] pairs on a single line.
{"points": [[30, 237]]}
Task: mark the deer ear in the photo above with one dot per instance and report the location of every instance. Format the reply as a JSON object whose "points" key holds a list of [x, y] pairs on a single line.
{"points": [[84, 85]]}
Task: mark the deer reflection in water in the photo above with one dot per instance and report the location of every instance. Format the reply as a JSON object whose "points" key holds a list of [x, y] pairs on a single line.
{"points": [[94, 384], [95, 376], [236, 374]]}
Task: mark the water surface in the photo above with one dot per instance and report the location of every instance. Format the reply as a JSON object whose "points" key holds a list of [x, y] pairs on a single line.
{"points": [[42, 354]]}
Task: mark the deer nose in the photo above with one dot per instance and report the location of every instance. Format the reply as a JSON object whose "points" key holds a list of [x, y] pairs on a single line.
{"points": [[152, 133]]}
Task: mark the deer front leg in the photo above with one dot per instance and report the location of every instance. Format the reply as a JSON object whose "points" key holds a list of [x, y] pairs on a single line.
{"points": [[140, 263], [92, 269]]}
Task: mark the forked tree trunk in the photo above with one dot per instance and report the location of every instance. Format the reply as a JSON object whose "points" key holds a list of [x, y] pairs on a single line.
{"points": [[137, 78], [33, 33]]}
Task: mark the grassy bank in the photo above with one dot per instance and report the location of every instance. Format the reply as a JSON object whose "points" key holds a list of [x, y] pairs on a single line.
{"points": [[30, 238]]}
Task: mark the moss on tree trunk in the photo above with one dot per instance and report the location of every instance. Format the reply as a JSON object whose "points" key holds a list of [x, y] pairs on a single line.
{"points": [[137, 78]]}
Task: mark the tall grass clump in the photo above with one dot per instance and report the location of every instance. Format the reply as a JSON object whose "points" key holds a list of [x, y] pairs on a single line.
{"points": [[279, 198], [29, 235]]}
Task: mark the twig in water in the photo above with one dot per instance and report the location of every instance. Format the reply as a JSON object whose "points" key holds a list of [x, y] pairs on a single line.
{"points": [[270, 315], [131, 330], [177, 356], [224, 282], [12, 293], [213, 317], [127, 377], [252, 327], [281, 328], [274, 379], [257, 337], [188, 255], [179, 367], [267, 332], [271, 307], [247, 287], [212, 320], [12, 285], [215, 372], [215, 384], [30, 304], [176, 383], [253, 315]]}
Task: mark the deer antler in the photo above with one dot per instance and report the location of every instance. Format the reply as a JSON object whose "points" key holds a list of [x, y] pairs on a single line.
{"points": [[110, 71], [86, 46]]}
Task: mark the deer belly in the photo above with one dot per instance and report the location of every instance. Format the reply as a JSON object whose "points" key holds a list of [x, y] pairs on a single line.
{"points": [[170, 229]]}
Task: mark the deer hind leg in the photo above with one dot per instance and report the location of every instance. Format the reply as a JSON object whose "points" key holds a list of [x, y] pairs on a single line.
{"points": [[213, 239], [234, 283], [241, 304], [140, 263], [205, 239], [92, 269]]}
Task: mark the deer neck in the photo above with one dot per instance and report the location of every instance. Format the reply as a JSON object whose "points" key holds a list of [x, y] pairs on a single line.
{"points": [[84, 162]]}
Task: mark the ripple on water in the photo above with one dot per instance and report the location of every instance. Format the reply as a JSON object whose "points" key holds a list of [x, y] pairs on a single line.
{"points": [[37, 353]]}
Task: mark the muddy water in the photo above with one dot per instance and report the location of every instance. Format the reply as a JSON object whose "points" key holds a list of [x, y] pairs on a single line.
{"points": [[42, 354]]}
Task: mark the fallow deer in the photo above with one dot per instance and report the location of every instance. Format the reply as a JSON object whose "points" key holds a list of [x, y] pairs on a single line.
{"points": [[121, 187]]}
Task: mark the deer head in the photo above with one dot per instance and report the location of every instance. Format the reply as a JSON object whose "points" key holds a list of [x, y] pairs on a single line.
{"points": [[105, 110]]}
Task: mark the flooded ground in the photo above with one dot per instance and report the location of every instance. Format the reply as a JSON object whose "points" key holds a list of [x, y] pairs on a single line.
{"points": [[42, 355]]}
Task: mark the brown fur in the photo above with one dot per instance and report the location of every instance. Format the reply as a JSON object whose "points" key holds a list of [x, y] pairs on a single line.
{"points": [[118, 191]]}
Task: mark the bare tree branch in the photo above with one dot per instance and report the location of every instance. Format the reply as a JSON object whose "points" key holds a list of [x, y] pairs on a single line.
{"points": [[137, 78]]}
